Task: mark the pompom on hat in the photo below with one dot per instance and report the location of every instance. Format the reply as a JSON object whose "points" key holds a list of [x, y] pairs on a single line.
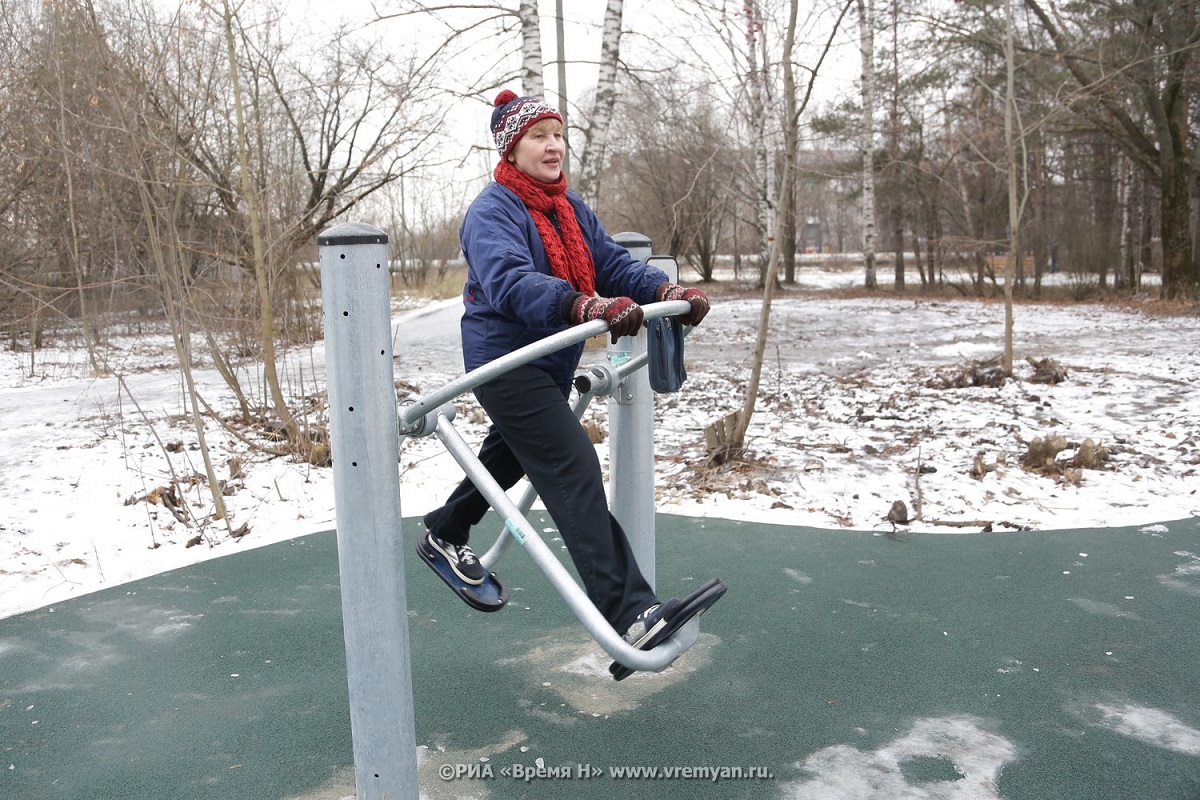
{"points": [[513, 115]]}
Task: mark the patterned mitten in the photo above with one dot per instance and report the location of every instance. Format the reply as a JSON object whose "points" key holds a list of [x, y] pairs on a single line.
{"points": [[697, 299], [624, 317]]}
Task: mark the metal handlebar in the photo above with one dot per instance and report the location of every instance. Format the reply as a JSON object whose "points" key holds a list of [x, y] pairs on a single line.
{"points": [[416, 408]]}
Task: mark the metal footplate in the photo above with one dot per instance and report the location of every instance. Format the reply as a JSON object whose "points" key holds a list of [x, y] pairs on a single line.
{"points": [[491, 595]]}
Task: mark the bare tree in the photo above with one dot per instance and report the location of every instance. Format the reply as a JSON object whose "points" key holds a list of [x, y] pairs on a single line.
{"points": [[313, 135], [305, 146], [866, 38], [258, 246], [793, 108], [157, 182], [1134, 65], [1013, 142], [488, 35], [58, 35], [52, 153], [673, 174]]}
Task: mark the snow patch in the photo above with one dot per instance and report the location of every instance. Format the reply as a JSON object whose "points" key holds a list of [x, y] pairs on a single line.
{"points": [[974, 758], [1150, 725]]}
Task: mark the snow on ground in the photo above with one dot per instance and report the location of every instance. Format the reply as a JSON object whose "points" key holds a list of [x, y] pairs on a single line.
{"points": [[849, 420]]}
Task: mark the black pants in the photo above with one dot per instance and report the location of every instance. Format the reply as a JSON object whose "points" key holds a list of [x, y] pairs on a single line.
{"points": [[535, 433]]}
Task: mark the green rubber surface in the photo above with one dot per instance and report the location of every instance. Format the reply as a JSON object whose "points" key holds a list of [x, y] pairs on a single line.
{"points": [[840, 664]]}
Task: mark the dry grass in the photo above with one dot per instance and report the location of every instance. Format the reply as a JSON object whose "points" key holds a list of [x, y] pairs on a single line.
{"points": [[451, 284], [434, 287]]}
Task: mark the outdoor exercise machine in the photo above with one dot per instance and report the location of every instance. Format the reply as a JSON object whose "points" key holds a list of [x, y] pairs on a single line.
{"points": [[365, 426]]}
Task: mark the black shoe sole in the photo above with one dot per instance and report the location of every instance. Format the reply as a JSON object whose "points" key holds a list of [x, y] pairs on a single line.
{"points": [[689, 607], [491, 595]]}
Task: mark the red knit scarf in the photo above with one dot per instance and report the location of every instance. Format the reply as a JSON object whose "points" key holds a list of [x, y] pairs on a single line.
{"points": [[569, 256]]}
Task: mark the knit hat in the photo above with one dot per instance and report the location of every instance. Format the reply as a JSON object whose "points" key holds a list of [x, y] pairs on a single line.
{"points": [[514, 115]]}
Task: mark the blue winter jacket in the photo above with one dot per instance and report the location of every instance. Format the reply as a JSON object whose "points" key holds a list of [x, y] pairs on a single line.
{"points": [[511, 298]]}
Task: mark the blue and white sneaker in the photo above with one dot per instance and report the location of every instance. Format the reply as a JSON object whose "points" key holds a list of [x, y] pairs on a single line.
{"points": [[462, 560], [658, 623], [650, 622]]}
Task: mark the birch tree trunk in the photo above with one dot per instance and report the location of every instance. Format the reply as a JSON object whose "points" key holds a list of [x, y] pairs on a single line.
{"points": [[1014, 207], [866, 43], [591, 160], [897, 210], [758, 79], [532, 81], [1122, 275]]}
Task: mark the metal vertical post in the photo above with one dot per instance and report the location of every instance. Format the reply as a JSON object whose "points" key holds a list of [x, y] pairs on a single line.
{"points": [[363, 437], [631, 438]]}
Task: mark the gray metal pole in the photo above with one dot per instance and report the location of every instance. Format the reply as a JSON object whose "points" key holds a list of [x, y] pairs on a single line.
{"points": [[631, 438], [366, 488]]}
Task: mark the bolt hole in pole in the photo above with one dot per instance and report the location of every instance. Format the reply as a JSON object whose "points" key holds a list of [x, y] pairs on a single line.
{"points": [[367, 503]]}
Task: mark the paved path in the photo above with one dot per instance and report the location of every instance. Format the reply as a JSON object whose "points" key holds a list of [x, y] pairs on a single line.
{"points": [[840, 665]]}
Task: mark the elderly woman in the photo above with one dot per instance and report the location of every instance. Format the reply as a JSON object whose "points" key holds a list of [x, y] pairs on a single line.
{"points": [[539, 261]]}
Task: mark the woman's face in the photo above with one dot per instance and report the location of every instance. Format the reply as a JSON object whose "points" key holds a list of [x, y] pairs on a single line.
{"points": [[539, 153]]}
